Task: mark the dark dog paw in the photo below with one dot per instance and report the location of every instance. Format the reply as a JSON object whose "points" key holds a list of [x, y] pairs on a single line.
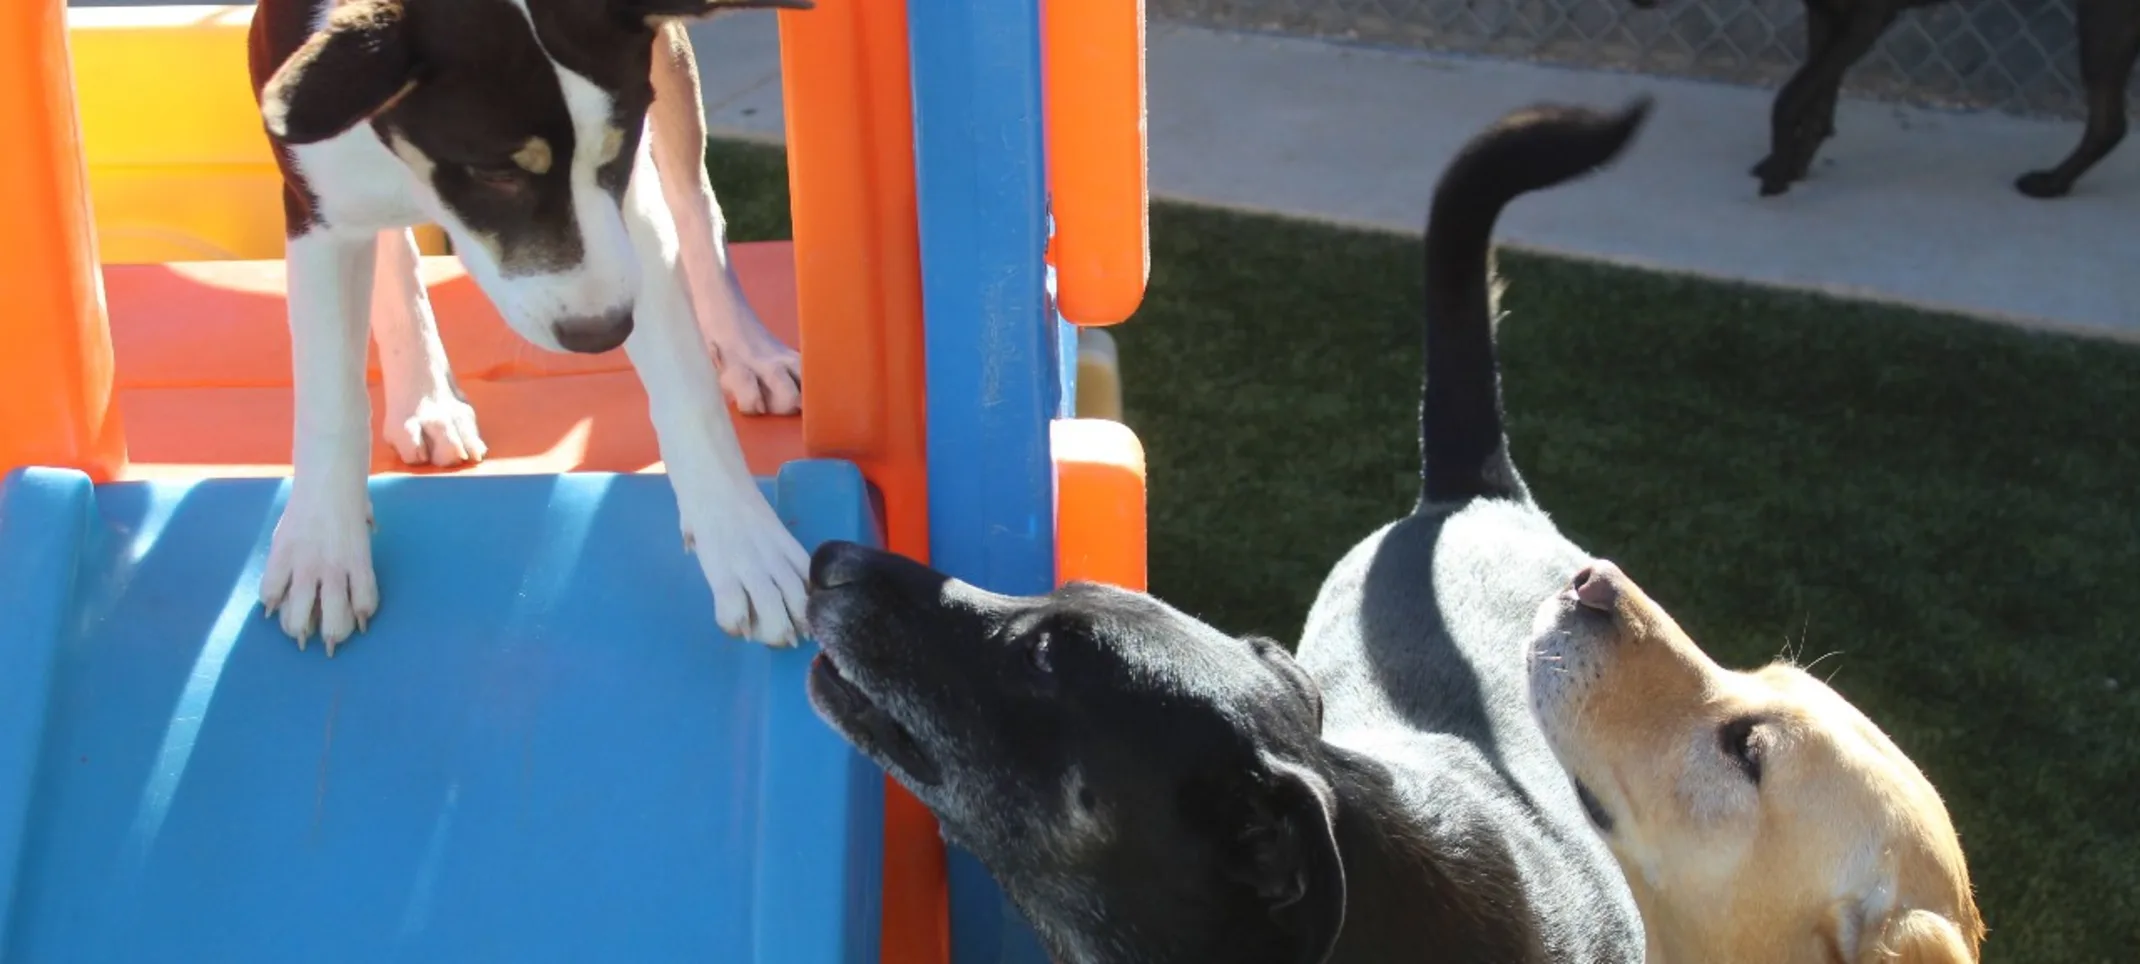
{"points": [[2042, 184], [1776, 175]]}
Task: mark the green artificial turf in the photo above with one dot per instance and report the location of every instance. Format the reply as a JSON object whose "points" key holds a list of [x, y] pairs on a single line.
{"points": [[1945, 513]]}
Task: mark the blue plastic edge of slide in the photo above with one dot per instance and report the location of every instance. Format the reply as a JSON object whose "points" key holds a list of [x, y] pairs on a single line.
{"points": [[45, 517]]}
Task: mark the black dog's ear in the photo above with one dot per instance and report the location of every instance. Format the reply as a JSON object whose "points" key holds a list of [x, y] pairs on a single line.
{"points": [[359, 64], [652, 12], [1289, 854], [1289, 672]]}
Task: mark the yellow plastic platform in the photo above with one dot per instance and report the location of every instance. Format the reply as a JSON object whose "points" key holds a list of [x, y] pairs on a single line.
{"points": [[1099, 376], [179, 167]]}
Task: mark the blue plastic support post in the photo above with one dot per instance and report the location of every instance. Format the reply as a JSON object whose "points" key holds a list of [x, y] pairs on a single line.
{"points": [[991, 342]]}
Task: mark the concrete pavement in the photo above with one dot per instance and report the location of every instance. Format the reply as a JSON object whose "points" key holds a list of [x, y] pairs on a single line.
{"points": [[1906, 205]]}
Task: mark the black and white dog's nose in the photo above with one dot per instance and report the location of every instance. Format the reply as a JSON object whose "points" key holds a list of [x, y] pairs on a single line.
{"points": [[594, 334]]}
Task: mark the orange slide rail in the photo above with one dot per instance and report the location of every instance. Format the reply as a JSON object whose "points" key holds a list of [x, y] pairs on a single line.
{"points": [[850, 137], [58, 398], [1093, 88]]}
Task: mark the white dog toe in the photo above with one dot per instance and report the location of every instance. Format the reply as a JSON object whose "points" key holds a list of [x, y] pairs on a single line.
{"points": [[757, 573], [437, 429], [758, 373], [319, 574]]}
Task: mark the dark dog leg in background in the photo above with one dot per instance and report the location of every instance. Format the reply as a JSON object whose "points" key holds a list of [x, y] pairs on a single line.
{"points": [[1820, 36], [1805, 107], [2109, 42], [1821, 26]]}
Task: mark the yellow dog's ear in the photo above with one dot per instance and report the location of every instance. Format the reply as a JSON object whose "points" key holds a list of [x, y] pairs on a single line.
{"points": [[1905, 937]]}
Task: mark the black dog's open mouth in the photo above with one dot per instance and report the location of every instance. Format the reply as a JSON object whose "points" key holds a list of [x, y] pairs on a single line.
{"points": [[868, 727]]}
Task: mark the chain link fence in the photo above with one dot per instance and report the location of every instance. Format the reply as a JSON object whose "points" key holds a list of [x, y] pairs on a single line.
{"points": [[2013, 55]]}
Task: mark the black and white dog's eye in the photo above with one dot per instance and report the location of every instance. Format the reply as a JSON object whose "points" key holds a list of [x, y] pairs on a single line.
{"points": [[503, 176], [1036, 653]]}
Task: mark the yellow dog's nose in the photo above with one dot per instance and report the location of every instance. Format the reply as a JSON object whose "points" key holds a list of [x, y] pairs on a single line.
{"points": [[1597, 586]]}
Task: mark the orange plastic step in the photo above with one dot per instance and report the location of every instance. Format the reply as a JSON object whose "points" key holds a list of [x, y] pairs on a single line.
{"points": [[203, 368]]}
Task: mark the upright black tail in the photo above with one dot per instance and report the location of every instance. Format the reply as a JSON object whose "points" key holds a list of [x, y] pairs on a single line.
{"points": [[1463, 447]]}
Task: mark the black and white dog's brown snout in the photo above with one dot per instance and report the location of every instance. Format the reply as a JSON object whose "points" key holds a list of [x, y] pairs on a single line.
{"points": [[594, 334], [1597, 586]]}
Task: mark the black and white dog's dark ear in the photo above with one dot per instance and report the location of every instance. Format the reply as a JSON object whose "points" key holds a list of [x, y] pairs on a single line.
{"points": [[359, 64], [1281, 662], [652, 12], [1289, 854]]}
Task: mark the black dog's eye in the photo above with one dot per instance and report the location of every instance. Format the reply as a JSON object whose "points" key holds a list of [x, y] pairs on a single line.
{"points": [[1739, 744], [1036, 653]]}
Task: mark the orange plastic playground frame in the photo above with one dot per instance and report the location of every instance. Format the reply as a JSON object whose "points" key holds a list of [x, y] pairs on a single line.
{"points": [[1093, 73], [58, 397], [850, 135]]}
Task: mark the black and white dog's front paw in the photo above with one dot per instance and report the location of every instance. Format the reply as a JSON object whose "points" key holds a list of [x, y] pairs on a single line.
{"points": [[758, 573], [319, 571], [759, 374], [432, 425]]}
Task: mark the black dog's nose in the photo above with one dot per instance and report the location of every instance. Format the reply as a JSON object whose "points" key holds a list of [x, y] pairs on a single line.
{"points": [[594, 334], [836, 564], [1596, 586]]}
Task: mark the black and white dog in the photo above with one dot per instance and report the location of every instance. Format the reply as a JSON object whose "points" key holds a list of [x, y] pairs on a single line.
{"points": [[530, 131], [1150, 790]]}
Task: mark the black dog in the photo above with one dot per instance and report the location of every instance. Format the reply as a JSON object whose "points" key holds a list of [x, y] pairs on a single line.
{"points": [[1149, 789], [1838, 32]]}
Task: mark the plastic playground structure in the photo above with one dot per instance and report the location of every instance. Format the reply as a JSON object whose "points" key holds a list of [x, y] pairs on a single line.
{"points": [[542, 749]]}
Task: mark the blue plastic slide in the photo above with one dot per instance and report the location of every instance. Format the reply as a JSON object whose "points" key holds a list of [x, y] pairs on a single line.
{"points": [[542, 750]]}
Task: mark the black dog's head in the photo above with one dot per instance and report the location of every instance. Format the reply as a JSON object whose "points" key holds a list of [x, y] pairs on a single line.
{"points": [[1143, 786]]}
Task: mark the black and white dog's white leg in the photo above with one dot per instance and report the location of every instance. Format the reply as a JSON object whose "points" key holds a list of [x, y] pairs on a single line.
{"points": [[761, 375], [757, 571], [428, 420], [319, 567]]}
